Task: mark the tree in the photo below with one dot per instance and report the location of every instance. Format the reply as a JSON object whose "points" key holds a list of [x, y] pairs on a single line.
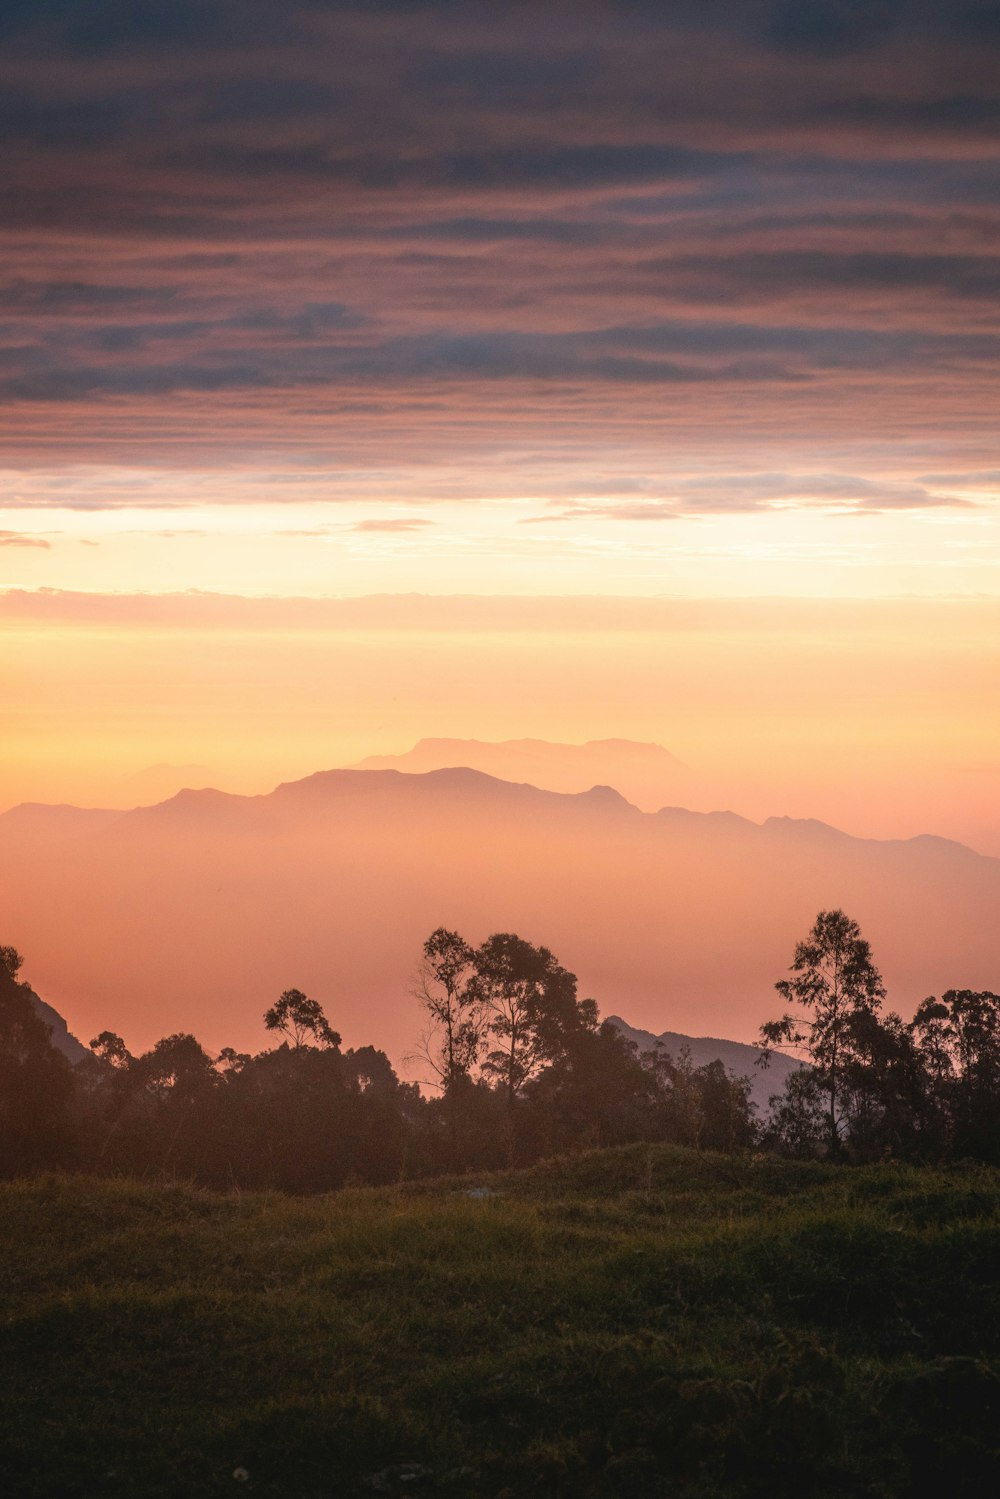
{"points": [[706, 1107], [596, 1093], [680, 1101], [505, 1009], [958, 1037], [177, 1065], [35, 1080], [796, 1121], [23, 1033], [457, 1019], [300, 1020], [531, 1004], [533, 1013], [836, 982], [453, 1005], [230, 1062], [727, 1112], [111, 1051]]}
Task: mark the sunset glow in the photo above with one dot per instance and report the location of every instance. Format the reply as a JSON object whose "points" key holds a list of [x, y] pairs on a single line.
{"points": [[500, 748], [375, 374]]}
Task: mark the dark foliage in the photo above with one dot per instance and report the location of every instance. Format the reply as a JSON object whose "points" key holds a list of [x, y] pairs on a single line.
{"points": [[35, 1082], [877, 1086], [522, 1070]]}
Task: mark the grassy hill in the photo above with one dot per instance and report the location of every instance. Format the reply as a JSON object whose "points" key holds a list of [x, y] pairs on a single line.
{"points": [[639, 1322]]}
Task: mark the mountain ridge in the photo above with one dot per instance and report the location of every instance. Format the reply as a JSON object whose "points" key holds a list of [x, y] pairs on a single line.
{"points": [[738, 1057], [432, 743], [646, 773], [341, 778], [196, 913], [61, 1036]]}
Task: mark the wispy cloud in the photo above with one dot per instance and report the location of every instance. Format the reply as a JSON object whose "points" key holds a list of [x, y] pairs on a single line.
{"points": [[748, 493], [393, 524], [20, 539]]}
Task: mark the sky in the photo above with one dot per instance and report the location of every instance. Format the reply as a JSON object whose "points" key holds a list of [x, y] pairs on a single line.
{"points": [[554, 310]]}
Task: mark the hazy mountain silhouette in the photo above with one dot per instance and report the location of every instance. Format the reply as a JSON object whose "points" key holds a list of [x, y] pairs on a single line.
{"points": [[196, 913], [647, 774], [155, 783], [735, 1056], [61, 1036]]}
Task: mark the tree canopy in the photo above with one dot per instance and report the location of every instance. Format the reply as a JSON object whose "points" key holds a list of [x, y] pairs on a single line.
{"points": [[835, 981], [521, 1068]]}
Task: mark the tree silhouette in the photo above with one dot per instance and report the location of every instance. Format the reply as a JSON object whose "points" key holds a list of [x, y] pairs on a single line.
{"points": [[457, 1020], [446, 990], [301, 1021], [23, 1033], [111, 1051], [835, 980], [230, 1061], [522, 1063], [35, 1080], [515, 983], [596, 1093], [177, 1064], [958, 1037], [532, 1009]]}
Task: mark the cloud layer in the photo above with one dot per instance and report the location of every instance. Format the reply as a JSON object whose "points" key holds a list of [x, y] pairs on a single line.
{"points": [[530, 247]]}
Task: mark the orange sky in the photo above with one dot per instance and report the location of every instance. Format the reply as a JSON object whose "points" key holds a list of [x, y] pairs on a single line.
{"points": [[585, 370]]}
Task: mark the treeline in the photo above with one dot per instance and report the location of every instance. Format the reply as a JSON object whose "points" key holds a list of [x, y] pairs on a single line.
{"points": [[517, 1068], [523, 1069], [876, 1085]]}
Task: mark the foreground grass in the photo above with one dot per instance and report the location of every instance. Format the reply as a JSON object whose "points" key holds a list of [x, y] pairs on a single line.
{"points": [[637, 1322]]}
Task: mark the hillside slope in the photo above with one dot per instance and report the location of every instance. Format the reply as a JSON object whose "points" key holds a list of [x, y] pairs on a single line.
{"points": [[60, 1035], [735, 1056], [625, 1325]]}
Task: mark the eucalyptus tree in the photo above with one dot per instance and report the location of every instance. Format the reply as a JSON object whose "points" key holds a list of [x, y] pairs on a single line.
{"points": [[958, 1037], [834, 980], [457, 1018], [531, 1007], [301, 1021]]}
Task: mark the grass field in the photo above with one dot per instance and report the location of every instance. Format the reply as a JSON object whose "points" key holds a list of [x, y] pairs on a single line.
{"points": [[638, 1322]]}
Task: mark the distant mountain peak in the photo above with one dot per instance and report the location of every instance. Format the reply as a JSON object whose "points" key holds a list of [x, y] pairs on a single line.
{"points": [[551, 755], [340, 779], [738, 1057], [642, 747], [198, 795], [644, 773], [607, 795], [61, 1036], [195, 799], [803, 825], [442, 778]]}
